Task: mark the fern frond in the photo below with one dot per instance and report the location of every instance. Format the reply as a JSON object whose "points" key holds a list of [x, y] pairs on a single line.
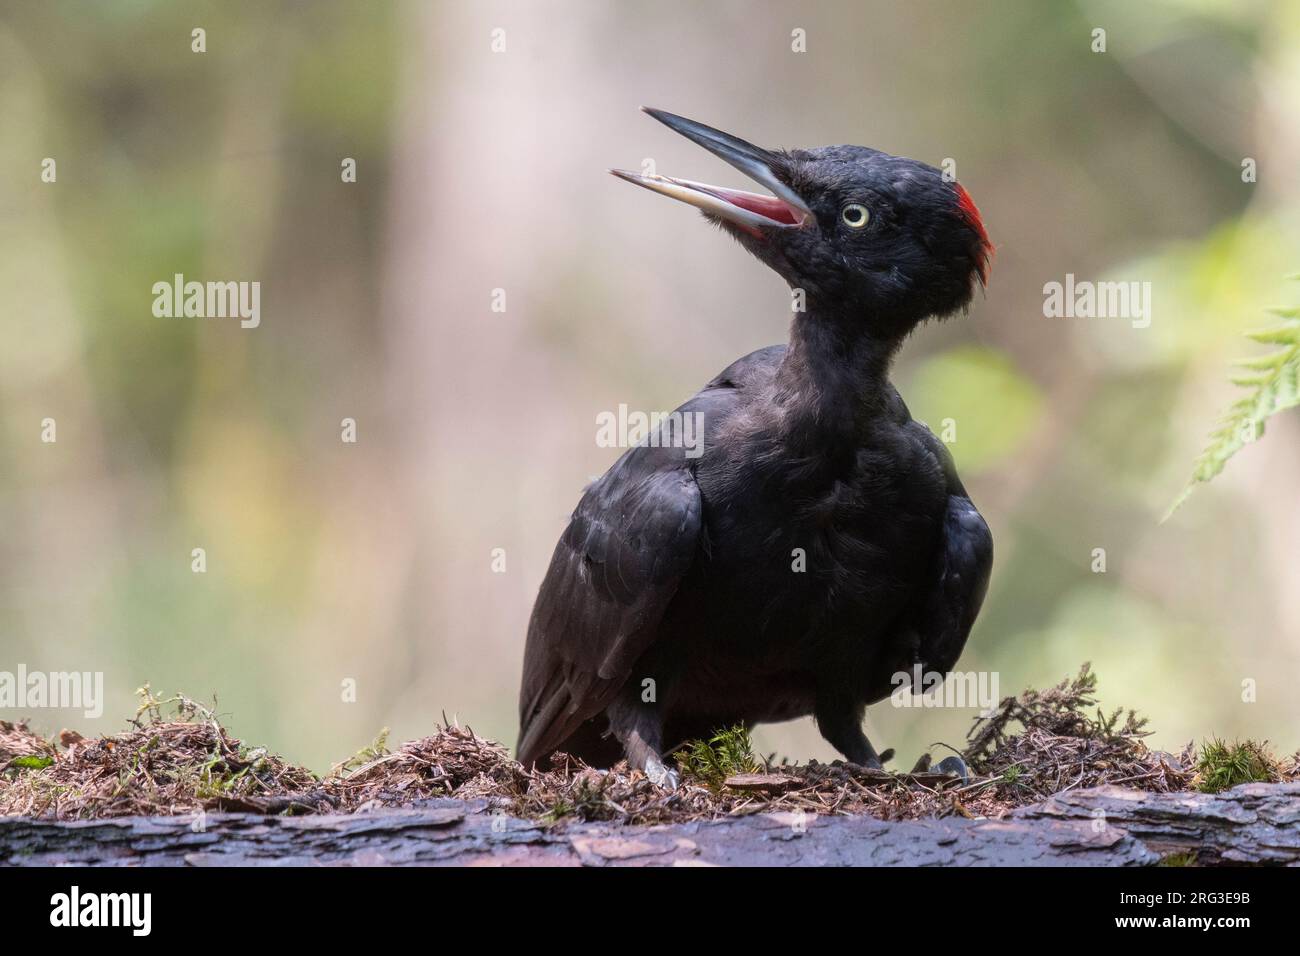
{"points": [[1275, 381]]}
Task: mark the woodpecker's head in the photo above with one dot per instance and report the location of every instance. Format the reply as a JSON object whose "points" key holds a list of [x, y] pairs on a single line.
{"points": [[882, 238]]}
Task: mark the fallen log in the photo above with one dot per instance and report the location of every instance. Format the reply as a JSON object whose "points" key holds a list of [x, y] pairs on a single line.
{"points": [[1104, 826]]}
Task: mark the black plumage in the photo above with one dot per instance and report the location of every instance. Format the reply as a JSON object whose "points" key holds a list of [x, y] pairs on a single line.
{"points": [[822, 542]]}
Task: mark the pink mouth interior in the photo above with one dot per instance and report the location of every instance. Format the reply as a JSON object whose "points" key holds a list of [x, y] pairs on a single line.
{"points": [[767, 206]]}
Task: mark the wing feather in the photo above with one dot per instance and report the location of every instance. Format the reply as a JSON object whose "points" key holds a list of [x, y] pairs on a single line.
{"points": [[948, 608], [615, 569], [633, 537]]}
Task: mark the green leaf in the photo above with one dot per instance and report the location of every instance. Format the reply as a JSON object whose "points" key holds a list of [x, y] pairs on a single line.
{"points": [[1246, 381], [1275, 385], [1271, 360], [1278, 335]]}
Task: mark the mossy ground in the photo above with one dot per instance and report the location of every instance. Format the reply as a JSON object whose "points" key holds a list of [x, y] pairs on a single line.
{"points": [[176, 758], [1222, 765]]}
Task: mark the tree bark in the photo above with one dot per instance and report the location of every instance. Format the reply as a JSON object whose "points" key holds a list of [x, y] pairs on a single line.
{"points": [[1108, 826]]}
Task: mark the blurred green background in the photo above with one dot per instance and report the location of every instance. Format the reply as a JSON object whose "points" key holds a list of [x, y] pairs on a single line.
{"points": [[480, 170]]}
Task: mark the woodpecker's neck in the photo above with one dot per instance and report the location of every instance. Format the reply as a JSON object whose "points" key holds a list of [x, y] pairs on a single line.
{"points": [[834, 379]]}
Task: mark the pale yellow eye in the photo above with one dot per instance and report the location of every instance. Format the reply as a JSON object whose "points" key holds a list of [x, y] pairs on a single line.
{"points": [[855, 215]]}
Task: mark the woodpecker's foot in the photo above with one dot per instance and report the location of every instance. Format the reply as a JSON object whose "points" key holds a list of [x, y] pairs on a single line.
{"points": [[954, 765], [875, 761], [842, 727], [660, 775]]}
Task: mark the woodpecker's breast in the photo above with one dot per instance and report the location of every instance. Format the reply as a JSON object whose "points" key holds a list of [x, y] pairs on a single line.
{"points": [[805, 554]]}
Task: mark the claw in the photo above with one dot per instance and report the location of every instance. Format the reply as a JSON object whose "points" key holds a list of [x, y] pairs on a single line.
{"points": [[660, 775], [954, 765]]}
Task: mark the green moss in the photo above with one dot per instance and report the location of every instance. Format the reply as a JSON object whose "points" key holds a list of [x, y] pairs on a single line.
{"points": [[711, 762], [378, 748], [1185, 858], [558, 812], [1012, 774], [1222, 765], [587, 803], [31, 762]]}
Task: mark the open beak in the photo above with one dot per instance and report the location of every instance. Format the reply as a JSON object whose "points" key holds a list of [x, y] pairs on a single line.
{"points": [[752, 212]]}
